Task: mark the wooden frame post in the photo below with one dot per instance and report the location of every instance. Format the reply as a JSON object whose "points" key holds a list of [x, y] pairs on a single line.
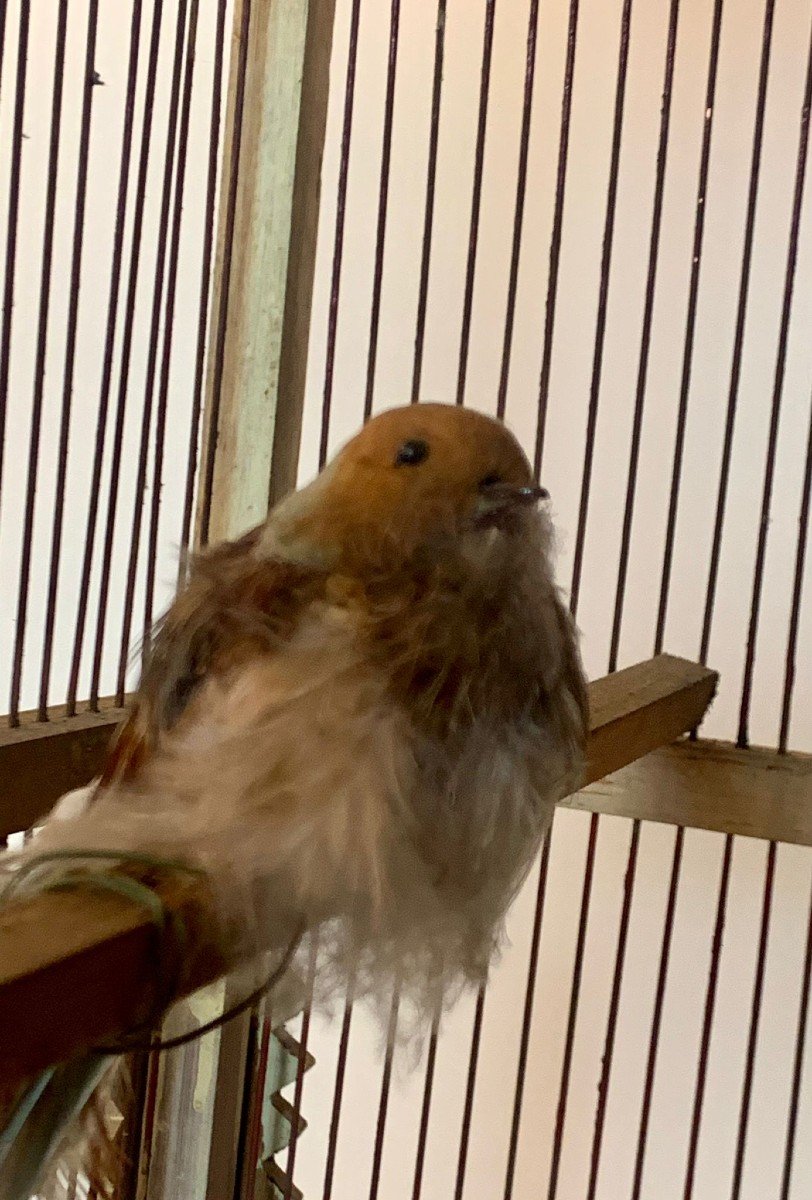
{"points": [[265, 260]]}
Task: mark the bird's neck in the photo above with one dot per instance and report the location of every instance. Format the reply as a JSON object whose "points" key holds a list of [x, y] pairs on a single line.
{"points": [[454, 642]]}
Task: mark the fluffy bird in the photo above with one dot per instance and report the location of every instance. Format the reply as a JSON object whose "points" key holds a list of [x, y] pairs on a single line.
{"points": [[358, 717]]}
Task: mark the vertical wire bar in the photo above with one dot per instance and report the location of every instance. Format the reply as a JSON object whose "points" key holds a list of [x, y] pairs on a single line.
{"points": [[39, 366], [603, 299], [152, 352], [645, 340], [338, 243], [631, 866], [657, 1014], [383, 200], [775, 413], [476, 197], [383, 1103], [254, 1077], [107, 361], [561, 1110], [465, 1133], [755, 1015], [707, 1019], [518, 212], [555, 238], [253, 1151], [428, 218], [797, 1066], [205, 287], [70, 349], [614, 1006], [126, 350], [425, 1108], [218, 355], [690, 326], [338, 1091], [738, 339], [168, 325], [586, 480], [155, 328], [3, 13], [527, 1018], [300, 1069], [13, 216], [797, 591]]}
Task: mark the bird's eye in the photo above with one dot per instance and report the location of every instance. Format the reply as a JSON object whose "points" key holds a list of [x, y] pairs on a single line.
{"points": [[489, 481], [411, 453]]}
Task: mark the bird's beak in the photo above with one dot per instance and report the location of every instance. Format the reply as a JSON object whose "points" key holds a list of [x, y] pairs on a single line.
{"points": [[500, 499]]}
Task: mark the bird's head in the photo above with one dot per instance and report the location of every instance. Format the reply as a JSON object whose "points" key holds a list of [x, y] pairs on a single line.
{"points": [[417, 478]]}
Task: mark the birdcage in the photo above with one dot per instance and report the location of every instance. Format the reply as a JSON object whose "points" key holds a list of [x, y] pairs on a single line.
{"points": [[231, 231]]}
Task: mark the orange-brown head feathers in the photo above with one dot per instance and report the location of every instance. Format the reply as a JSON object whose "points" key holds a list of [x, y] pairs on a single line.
{"points": [[415, 477]]}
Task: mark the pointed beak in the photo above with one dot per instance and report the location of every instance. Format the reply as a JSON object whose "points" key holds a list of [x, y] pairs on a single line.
{"points": [[500, 499]]}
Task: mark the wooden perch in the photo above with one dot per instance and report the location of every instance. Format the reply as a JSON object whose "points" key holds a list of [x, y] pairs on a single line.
{"points": [[79, 968], [42, 760]]}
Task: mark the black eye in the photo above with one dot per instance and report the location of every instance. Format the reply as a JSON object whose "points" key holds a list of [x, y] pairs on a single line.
{"points": [[490, 481], [411, 453]]}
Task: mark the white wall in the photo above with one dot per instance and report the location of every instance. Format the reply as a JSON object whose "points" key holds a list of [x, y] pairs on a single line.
{"points": [[571, 366]]}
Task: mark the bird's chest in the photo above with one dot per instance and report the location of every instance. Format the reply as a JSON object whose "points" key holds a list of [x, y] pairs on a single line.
{"points": [[481, 805]]}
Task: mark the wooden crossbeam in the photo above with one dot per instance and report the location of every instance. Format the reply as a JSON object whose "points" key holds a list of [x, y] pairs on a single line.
{"points": [[711, 785], [79, 968], [42, 760]]}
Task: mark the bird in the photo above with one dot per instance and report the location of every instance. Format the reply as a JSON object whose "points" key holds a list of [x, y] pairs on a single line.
{"points": [[357, 718]]}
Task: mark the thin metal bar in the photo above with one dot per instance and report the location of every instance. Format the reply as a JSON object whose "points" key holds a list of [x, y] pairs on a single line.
{"points": [[383, 1103], [249, 1160], [152, 352], [555, 239], [205, 286], [798, 1064], [476, 198], [707, 1020], [690, 327], [775, 412], [527, 1017], [428, 219], [126, 350], [383, 199], [645, 341], [755, 1015], [338, 244], [70, 350], [738, 340], [3, 13], [575, 991], [425, 1109], [473, 1060], [603, 301], [253, 1080], [13, 217], [518, 211], [797, 590], [168, 325], [218, 356], [107, 361], [614, 1005], [300, 1069], [657, 1015], [39, 367], [338, 1092]]}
